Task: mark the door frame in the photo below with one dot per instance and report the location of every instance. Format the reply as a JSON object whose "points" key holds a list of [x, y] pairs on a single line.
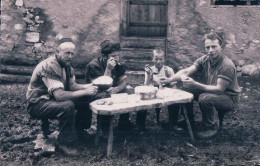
{"points": [[124, 14]]}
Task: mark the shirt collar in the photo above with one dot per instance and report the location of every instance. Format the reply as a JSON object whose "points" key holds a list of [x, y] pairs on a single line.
{"points": [[217, 60]]}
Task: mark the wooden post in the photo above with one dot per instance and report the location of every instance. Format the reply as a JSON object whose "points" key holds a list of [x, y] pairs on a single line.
{"points": [[128, 17], [183, 108], [110, 136], [123, 17]]}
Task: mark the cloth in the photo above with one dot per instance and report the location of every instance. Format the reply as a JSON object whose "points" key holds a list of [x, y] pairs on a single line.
{"points": [[97, 68], [47, 77], [223, 68], [165, 71]]}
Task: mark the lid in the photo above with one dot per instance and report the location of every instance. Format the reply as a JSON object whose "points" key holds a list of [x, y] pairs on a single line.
{"points": [[145, 89]]}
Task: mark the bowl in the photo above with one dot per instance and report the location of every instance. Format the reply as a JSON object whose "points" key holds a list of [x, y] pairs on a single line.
{"points": [[103, 82]]}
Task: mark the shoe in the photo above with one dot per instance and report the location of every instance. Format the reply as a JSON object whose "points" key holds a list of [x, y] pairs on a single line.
{"points": [[194, 124], [177, 128], [69, 150], [85, 137], [207, 132]]}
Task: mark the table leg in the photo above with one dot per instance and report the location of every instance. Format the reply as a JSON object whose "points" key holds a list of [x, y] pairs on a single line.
{"points": [[99, 123], [110, 136], [183, 108]]}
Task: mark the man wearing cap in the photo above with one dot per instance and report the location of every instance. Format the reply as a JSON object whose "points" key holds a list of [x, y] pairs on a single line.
{"points": [[219, 89], [53, 89], [108, 64]]}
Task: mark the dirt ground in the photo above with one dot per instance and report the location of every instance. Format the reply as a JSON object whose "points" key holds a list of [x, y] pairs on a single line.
{"points": [[239, 144]]}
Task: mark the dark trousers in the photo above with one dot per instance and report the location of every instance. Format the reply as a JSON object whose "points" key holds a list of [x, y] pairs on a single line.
{"points": [[71, 122], [63, 111], [173, 111], [208, 102]]}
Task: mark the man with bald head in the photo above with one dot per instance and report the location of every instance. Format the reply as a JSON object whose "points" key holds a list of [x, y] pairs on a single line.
{"points": [[53, 90]]}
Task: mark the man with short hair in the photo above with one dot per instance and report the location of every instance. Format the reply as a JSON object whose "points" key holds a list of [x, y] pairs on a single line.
{"points": [[53, 90], [220, 89]]}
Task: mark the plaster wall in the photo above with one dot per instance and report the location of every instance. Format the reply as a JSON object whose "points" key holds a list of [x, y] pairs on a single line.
{"points": [[89, 22]]}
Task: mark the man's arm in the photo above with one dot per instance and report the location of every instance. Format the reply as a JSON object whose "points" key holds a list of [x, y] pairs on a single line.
{"points": [[61, 95], [221, 86], [177, 77], [56, 89], [75, 86], [119, 88]]}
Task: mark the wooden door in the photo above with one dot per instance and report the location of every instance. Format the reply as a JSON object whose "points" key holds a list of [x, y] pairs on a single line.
{"points": [[147, 18]]}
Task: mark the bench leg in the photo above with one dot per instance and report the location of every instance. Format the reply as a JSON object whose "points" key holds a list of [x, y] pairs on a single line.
{"points": [[110, 136], [158, 114], [183, 108]]}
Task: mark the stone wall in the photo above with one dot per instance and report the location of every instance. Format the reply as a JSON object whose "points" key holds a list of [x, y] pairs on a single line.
{"points": [[31, 28]]}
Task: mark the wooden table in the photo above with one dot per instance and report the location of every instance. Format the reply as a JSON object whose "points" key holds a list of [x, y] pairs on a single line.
{"points": [[171, 96]]}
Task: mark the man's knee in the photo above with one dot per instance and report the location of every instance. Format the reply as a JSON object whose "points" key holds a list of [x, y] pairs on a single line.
{"points": [[205, 98], [69, 107]]}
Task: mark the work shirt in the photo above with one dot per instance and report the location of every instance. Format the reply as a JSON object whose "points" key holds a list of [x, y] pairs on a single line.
{"points": [[165, 71], [47, 77], [97, 68], [223, 68]]}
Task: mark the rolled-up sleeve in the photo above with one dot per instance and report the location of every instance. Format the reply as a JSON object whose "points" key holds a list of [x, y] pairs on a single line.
{"points": [[52, 84], [228, 74]]}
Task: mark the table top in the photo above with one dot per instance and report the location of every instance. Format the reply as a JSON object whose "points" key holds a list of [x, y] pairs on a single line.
{"points": [[171, 96]]}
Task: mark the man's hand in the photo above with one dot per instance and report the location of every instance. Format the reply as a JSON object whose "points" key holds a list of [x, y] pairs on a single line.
{"points": [[188, 82], [101, 95], [111, 63], [112, 90], [91, 90]]}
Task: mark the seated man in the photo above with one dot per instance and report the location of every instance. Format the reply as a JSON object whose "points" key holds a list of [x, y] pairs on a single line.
{"points": [[52, 90], [152, 77], [220, 90], [108, 64]]}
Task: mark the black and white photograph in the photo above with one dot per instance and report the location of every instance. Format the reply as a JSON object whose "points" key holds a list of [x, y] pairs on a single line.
{"points": [[129, 82]]}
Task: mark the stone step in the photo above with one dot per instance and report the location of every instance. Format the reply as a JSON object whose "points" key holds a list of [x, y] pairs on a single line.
{"points": [[137, 54], [137, 65], [142, 42]]}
